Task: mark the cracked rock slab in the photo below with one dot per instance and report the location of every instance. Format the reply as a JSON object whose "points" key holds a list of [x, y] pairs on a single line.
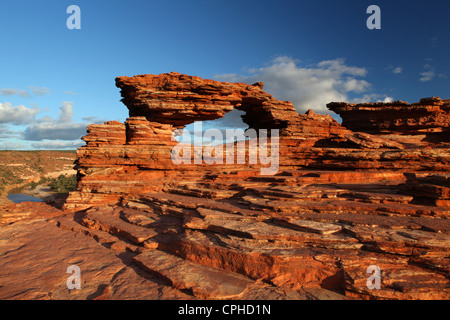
{"points": [[106, 220], [34, 260], [204, 282]]}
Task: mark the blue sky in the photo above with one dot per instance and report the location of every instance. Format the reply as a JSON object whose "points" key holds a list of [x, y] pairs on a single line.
{"points": [[54, 81]]}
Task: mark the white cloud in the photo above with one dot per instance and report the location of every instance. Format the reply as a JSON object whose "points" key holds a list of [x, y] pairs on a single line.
{"points": [[306, 87], [89, 119], [17, 115], [66, 112], [11, 145], [394, 70], [52, 145], [62, 128], [45, 119], [355, 85], [369, 98], [428, 74], [39, 91], [7, 133], [231, 120], [54, 131], [96, 120], [14, 92], [338, 67]]}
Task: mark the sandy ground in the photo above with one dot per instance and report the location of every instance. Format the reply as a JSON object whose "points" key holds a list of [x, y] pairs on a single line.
{"points": [[42, 191]]}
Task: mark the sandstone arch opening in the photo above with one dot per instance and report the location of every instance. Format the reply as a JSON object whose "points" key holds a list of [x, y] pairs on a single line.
{"points": [[180, 100], [194, 133], [226, 141]]}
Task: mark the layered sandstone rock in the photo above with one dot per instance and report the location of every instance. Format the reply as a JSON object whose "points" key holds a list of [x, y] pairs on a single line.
{"points": [[179, 99], [127, 158], [427, 120], [340, 201], [429, 189]]}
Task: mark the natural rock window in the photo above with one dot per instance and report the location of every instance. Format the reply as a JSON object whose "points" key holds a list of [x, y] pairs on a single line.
{"points": [[194, 133]]}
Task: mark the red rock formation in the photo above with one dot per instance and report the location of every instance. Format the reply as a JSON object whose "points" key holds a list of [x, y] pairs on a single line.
{"points": [[428, 115], [427, 120], [133, 154], [126, 158], [429, 189], [180, 99], [340, 202]]}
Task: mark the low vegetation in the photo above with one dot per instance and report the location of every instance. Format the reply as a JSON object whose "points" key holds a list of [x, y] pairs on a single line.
{"points": [[64, 184], [8, 177], [34, 184]]}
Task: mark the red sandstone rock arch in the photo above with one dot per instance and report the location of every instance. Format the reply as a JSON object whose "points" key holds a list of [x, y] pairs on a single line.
{"points": [[178, 99], [134, 157]]}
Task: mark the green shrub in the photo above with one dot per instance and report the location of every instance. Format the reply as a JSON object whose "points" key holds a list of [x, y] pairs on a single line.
{"points": [[64, 183], [43, 180], [34, 184]]}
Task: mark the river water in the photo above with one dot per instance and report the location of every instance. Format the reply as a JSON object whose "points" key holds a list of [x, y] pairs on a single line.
{"points": [[21, 197]]}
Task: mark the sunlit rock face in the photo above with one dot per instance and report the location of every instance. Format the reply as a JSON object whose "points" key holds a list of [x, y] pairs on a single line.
{"points": [[371, 192]]}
